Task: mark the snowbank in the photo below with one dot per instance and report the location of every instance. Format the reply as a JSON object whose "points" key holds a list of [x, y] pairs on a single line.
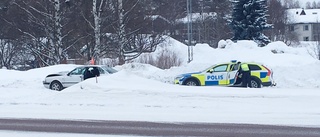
{"points": [[141, 92]]}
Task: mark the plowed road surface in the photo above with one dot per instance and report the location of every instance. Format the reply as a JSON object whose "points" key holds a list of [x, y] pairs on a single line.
{"points": [[139, 128]]}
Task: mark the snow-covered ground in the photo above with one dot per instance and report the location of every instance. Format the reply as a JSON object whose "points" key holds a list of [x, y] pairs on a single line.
{"points": [[142, 92]]}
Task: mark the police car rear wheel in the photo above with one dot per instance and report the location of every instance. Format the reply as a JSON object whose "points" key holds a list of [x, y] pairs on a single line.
{"points": [[255, 83], [191, 82]]}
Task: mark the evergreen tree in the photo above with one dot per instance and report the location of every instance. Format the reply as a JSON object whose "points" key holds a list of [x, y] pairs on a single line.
{"points": [[249, 20]]}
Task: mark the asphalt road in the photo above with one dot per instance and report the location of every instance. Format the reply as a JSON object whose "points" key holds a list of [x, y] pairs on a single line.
{"points": [[139, 128]]}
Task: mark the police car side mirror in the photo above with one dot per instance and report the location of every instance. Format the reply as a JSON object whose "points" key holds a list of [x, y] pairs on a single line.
{"points": [[210, 71]]}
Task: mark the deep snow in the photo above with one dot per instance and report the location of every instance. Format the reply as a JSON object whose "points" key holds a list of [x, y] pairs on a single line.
{"points": [[145, 93]]}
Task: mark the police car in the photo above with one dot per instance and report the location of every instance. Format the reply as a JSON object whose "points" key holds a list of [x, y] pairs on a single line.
{"points": [[66, 79], [226, 74]]}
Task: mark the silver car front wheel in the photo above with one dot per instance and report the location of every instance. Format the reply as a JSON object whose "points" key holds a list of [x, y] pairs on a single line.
{"points": [[55, 85]]}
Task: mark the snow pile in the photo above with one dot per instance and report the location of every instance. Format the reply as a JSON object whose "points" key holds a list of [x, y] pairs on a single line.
{"points": [[29, 79], [293, 67], [127, 96], [169, 45], [142, 92]]}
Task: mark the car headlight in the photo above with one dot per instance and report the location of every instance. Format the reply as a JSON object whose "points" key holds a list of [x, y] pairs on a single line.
{"points": [[179, 77]]}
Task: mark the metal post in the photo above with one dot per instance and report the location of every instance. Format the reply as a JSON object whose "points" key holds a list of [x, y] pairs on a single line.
{"points": [[189, 15]]}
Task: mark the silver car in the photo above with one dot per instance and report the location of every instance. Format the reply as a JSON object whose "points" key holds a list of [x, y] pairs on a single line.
{"points": [[62, 80]]}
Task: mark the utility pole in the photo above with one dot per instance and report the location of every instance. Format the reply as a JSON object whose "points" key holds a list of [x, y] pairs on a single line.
{"points": [[189, 15]]}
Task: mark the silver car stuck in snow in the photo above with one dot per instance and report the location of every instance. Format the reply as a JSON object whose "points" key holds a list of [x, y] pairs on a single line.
{"points": [[65, 79]]}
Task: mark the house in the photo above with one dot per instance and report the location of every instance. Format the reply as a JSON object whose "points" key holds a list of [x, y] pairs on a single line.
{"points": [[305, 23], [202, 24], [157, 24]]}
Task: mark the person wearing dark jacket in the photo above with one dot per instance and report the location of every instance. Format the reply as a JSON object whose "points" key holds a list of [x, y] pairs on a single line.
{"points": [[90, 72], [86, 73], [96, 72], [246, 75]]}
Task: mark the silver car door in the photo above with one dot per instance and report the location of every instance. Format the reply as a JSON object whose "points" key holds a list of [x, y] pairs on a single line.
{"points": [[74, 77]]}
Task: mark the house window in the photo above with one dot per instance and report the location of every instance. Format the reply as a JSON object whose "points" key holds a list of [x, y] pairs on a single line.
{"points": [[305, 27], [305, 38], [291, 28]]}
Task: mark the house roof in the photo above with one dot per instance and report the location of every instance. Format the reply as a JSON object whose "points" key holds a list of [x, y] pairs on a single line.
{"points": [[299, 16], [155, 17], [197, 17]]}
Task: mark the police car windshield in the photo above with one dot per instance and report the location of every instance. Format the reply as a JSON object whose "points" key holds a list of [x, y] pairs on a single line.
{"points": [[208, 68]]}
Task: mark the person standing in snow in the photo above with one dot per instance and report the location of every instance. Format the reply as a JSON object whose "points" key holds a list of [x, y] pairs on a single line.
{"points": [[246, 75], [86, 73], [91, 72], [95, 72]]}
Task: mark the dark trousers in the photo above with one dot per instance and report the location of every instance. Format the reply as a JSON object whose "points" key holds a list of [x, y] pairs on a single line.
{"points": [[246, 79]]}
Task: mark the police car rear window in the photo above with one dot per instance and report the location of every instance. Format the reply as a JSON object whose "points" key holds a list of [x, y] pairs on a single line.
{"points": [[254, 67]]}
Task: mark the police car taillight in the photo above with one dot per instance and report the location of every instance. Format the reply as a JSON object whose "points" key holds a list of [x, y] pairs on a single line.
{"points": [[269, 72]]}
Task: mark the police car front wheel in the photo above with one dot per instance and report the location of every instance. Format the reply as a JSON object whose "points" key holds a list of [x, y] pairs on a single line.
{"points": [[191, 82]]}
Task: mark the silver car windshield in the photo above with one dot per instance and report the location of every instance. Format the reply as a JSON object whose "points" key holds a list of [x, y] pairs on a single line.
{"points": [[77, 71], [109, 69]]}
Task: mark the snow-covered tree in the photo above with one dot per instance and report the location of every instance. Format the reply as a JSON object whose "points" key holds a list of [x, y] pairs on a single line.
{"points": [[131, 41], [317, 38], [308, 5], [314, 4], [292, 4], [9, 51], [96, 10], [277, 17], [249, 19], [46, 43]]}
